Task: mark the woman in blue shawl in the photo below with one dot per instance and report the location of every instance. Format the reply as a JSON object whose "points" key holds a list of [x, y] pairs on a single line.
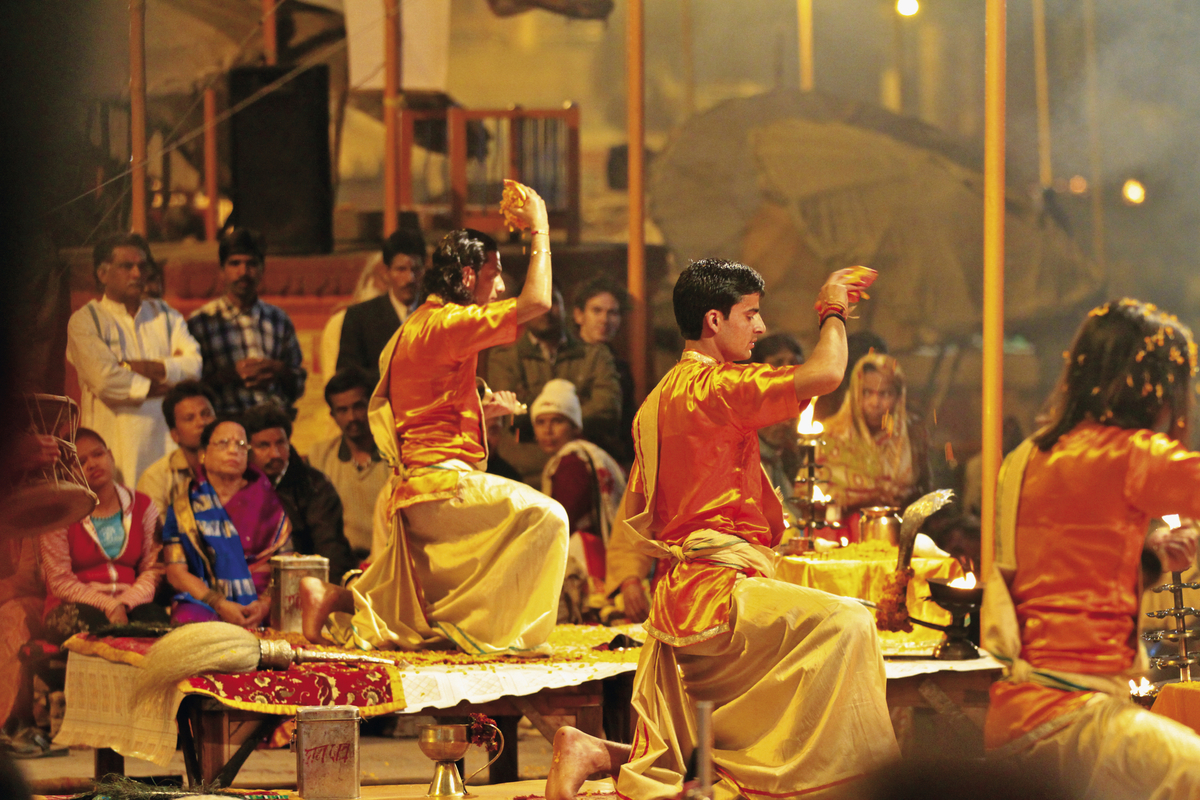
{"points": [[219, 539]]}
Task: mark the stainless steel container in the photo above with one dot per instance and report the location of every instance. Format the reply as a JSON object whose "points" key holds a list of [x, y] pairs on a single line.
{"points": [[286, 572], [327, 753], [880, 522]]}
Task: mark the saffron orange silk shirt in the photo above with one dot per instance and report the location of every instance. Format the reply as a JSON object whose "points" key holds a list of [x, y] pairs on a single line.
{"points": [[431, 388], [1081, 523], [710, 477]]}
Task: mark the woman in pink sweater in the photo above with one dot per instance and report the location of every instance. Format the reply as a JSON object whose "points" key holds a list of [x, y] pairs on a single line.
{"points": [[103, 569]]}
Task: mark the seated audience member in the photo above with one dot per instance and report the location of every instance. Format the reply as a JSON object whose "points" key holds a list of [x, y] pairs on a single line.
{"points": [[858, 344], [598, 308], [218, 539], [545, 352], [368, 325], [584, 478], [370, 285], [128, 352], [309, 499], [187, 408], [777, 444], [251, 353], [351, 461], [103, 569], [875, 454]]}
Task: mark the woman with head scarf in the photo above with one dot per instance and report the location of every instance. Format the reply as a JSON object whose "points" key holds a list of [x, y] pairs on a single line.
{"points": [[875, 454]]}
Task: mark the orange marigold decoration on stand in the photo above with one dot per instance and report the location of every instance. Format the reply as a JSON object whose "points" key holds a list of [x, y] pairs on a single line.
{"points": [[891, 613]]}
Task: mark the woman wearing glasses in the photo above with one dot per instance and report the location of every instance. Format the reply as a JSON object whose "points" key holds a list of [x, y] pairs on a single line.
{"points": [[219, 539]]}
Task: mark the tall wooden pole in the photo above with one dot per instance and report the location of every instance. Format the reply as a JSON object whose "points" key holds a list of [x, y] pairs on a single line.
{"points": [[270, 33], [635, 75], [1093, 112], [687, 40], [211, 188], [391, 123], [993, 269], [804, 14], [1042, 85], [137, 114]]}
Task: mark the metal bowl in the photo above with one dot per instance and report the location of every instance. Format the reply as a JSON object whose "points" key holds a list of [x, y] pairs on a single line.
{"points": [[948, 596], [443, 742]]}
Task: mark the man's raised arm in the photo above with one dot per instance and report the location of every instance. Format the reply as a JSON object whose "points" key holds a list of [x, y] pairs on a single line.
{"points": [[824, 369]]}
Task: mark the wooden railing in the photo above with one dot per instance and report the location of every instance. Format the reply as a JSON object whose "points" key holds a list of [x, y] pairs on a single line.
{"points": [[538, 147]]}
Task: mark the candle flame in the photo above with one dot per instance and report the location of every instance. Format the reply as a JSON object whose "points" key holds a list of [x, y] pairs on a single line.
{"points": [[807, 426], [1172, 520], [965, 582]]}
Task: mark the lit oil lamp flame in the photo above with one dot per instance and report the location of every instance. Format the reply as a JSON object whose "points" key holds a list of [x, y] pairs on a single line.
{"points": [[1143, 689], [1172, 520], [819, 496], [845, 542], [807, 426], [965, 582]]}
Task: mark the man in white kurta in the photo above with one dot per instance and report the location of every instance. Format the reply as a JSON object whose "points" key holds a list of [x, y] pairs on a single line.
{"points": [[128, 352]]}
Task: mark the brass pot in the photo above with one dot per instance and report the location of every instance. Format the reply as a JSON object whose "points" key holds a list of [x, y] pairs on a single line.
{"points": [[446, 744], [880, 523]]}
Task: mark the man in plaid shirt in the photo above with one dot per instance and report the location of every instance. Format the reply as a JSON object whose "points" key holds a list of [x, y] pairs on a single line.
{"points": [[251, 354]]}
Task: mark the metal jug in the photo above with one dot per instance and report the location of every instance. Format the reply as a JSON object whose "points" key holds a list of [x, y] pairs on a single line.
{"points": [[880, 523]]}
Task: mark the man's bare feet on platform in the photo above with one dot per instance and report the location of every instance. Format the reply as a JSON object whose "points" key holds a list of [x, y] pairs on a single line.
{"points": [[578, 756], [317, 601]]}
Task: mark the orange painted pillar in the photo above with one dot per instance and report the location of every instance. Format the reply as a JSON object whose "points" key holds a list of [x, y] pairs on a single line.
{"points": [[635, 76], [211, 187], [270, 33], [805, 18], [391, 122], [137, 115], [993, 270]]}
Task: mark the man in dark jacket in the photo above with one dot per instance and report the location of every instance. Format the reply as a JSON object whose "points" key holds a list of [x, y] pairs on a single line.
{"points": [[546, 351], [369, 325], [309, 499]]}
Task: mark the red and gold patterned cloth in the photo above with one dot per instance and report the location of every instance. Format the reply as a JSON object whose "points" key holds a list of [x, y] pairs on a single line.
{"points": [[374, 688]]}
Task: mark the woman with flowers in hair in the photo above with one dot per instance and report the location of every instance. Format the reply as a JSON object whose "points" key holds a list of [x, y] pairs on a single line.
{"points": [[1061, 605], [875, 455]]}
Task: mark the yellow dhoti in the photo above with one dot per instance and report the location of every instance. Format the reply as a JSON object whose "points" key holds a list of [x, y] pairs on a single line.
{"points": [[482, 569], [1115, 750], [798, 686]]}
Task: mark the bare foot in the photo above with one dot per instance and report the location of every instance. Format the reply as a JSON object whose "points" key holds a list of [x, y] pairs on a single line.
{"points": [[578, 756], [317, 601]]}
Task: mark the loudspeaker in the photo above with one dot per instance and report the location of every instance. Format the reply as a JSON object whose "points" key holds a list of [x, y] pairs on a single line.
{"points": [[279, 149]]}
